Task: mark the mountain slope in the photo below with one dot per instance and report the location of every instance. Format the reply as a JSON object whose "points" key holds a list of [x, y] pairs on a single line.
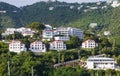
{"points": [[51, 13], [9, 15], [107, 20], [62, 13]]}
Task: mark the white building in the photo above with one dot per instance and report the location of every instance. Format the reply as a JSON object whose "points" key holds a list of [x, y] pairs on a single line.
{"points": [[48, 27], [51, 8], [10, 31], [106, 33], [101, 63], [17, 46], [26, 31], [3, 11], [93, 8], [37, 46], [62, 31], [115, 3], [72, 7], [62, 38], [93, 25], [89, 44], [57, 45], [67, 31], [76, 32], [47, 35]]}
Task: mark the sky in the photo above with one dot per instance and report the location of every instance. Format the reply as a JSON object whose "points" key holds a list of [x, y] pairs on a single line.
{"points": [[19, 3]]}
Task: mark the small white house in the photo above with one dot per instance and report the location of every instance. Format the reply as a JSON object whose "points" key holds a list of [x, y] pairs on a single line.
{"points": [[89, 44], [100, 63], [48, 27], [57, 45], [16, 46], [106, 33], [3, 11], [26, 31], [37, 46], [115, 3], [10, 31]]}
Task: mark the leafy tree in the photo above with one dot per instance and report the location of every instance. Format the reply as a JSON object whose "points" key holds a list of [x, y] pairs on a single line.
{"points": [[37, 26], [16, 35], [74, 42]]}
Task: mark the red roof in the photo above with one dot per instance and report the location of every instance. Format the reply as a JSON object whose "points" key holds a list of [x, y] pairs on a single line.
{"points": [[35, 42], [88, 40], [14, 41], [56, 41]]}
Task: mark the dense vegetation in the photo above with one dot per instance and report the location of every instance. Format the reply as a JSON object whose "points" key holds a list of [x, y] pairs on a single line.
{"points": [[12, 16], [42, 65]]}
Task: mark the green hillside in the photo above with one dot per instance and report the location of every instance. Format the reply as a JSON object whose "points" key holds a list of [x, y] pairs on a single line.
{"points": [[11, 16], [59, 15], [63, 14], [107, 20]]}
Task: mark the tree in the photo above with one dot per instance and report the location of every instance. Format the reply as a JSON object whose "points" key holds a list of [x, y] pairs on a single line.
{"points": [[91, 71], [26, 42], [118, 60], [108, 72], [115, 41], [73, 43], [105, 42], [37, 26], [16, 35]]}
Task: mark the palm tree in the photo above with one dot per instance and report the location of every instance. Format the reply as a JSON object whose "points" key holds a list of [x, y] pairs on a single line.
{"points": [[108, 72], [91, 72], [63, 58], [117, 73], [54, 60]]}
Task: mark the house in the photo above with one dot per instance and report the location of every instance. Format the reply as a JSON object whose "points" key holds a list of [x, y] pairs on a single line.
{"points": [[93, 25], [3, 11], [76, 32], [115, 3], [106, 33], [93, 8], [17, 46], [37, 46], [89, 44], [62, 38], [10, 31], [69, 31], [103, 63], [57, 45], [26, 31], [47, 35], [62, 31], [51, 8], [48, 27]]}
